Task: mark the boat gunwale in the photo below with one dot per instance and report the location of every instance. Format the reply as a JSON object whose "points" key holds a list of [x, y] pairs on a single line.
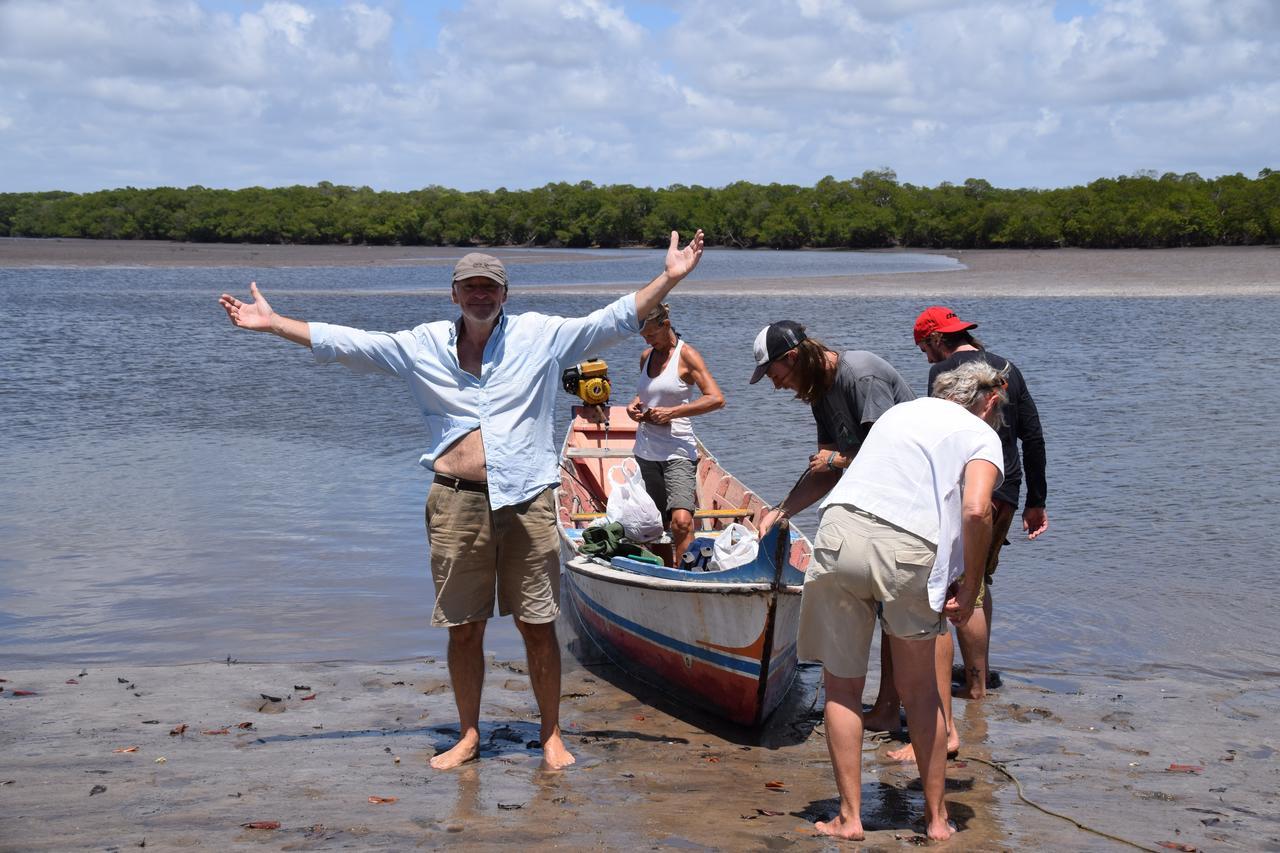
{"points": [[592, 567]]}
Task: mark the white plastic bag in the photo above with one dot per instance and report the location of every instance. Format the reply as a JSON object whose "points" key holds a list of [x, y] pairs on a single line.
{"points": [[630, 505], [736, 546]]}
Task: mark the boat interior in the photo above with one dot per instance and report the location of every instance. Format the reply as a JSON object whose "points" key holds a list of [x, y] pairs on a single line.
{"points": [[593, 448]]}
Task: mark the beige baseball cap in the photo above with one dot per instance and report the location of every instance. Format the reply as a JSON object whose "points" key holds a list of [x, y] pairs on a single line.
{"points": [[479, 264]]}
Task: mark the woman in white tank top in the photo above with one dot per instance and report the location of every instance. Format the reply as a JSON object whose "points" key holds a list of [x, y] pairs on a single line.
{"points": [[665, 448]]}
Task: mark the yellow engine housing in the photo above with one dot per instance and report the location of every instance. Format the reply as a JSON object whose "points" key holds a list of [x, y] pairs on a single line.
{"points": [[588, 381]]}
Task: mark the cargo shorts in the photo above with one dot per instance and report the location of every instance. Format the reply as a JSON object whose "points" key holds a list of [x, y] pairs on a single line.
{"points": [[1001, 521], [861, 561], [478, 554]]}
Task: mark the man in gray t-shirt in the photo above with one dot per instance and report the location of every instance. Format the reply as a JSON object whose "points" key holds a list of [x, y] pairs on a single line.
{"points": [[847, 392], [865, 387]]}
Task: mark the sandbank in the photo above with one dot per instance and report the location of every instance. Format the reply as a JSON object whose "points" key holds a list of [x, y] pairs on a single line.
{"points": [[53, 251], [1104, 273]]}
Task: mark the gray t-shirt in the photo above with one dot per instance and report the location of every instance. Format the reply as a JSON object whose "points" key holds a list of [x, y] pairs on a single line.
{"points": [[866, 386]]}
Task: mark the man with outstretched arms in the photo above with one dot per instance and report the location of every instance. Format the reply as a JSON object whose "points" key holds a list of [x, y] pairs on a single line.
{"points": [[486, 385]]}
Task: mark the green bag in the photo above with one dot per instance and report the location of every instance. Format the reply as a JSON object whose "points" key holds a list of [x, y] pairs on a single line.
{"points": [[607, 540], [632, 551], [602, 540]]}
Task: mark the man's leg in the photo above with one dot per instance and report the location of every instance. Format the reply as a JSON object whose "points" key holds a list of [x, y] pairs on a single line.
{"points": [[466, 672], [915, 665], [542, 651], [944, 652], [943, 657], [843, 714], [462, 571], [886, 714], [975, 642], [529, 589], [975, 634]]}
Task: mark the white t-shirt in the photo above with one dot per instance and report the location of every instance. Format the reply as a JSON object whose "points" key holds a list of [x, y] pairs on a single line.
{"points": [[910, 472]]}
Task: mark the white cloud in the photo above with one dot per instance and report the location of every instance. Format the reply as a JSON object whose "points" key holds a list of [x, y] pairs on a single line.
{"points": [[95, 93], [1048, 123], [372, 26], [288, 19]]}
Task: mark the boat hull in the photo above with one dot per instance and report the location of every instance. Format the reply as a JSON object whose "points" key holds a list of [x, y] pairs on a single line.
{"points": [[730, 652]]}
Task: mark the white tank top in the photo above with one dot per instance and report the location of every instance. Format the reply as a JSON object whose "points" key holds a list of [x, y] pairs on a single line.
{"points": [[660, 442]]}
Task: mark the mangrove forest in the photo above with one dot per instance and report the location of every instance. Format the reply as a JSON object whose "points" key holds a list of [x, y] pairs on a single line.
{"points": [[874, 210]]}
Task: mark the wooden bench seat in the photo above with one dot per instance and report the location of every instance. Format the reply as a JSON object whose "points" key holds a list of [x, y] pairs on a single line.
{"points": [[598, 453], [740, 512]]}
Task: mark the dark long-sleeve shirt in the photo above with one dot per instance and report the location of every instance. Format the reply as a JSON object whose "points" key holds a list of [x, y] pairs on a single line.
{"points": [[1021, 426]]}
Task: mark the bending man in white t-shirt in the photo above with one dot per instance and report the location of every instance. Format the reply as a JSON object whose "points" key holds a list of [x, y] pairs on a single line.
{"points": [[909, 518]]}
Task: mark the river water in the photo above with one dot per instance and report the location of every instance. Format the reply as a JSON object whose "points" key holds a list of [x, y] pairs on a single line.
{"points": [[174, 490]]}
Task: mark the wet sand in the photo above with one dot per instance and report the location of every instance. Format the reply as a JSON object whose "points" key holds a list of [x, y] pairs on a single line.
{"points": [[649, 774], [1223, 271]]}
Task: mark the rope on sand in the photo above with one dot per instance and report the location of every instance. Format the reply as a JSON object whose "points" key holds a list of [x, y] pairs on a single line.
{"points": [[1000, 768]]}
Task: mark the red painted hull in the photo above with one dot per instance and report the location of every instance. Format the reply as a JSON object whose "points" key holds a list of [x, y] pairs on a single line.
{"points": [[728, 685]]}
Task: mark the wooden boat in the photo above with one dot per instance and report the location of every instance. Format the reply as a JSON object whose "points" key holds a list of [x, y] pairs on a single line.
{"points": [[724, 640]]}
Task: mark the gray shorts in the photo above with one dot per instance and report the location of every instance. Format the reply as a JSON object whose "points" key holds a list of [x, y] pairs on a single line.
{"points": [[672, 483]]}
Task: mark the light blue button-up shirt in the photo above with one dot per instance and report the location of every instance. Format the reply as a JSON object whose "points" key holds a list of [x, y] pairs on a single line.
{"points": [[512, 401]]}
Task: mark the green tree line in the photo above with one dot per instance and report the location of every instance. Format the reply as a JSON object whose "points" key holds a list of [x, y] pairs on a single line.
{"points": [[873, 210]]}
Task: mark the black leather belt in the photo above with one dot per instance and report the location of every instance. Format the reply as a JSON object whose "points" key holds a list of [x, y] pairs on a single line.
{"points": [[461, 485]]}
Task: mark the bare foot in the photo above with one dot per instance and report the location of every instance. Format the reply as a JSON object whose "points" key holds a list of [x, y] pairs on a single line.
{"points": [[969, 691], [555, 755], [907, 753], [941, 830], [467, 749], [994, 680], [882, 720], [841, 827]]}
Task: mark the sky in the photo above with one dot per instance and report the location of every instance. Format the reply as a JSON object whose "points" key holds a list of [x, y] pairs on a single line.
{"points": [[403, 94]]}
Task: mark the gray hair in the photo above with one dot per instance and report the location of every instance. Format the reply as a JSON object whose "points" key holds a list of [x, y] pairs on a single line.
{"points": [[969, 384]]}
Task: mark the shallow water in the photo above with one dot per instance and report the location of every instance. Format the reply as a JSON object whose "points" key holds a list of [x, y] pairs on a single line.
{"points": [[175, 490]]}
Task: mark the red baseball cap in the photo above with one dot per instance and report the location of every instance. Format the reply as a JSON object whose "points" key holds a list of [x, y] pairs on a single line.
{"points": [[939, 318]]}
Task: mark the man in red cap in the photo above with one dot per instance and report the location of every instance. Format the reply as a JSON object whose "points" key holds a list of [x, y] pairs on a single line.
{"points": [[946, 341]]}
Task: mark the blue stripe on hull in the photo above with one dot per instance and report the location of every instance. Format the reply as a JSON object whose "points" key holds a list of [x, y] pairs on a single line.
{"points": [[750, 668]]}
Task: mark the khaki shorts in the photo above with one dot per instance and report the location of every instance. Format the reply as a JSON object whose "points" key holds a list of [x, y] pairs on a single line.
{"points": [[1001, 520], [860, 561], [474, 551]]}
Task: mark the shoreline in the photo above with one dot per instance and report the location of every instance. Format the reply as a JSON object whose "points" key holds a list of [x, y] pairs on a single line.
{"points": [[649, 774], [1212, 271]]}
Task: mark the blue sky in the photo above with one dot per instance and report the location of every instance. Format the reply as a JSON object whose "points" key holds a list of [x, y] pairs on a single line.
{"points": [[399, 94]]}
